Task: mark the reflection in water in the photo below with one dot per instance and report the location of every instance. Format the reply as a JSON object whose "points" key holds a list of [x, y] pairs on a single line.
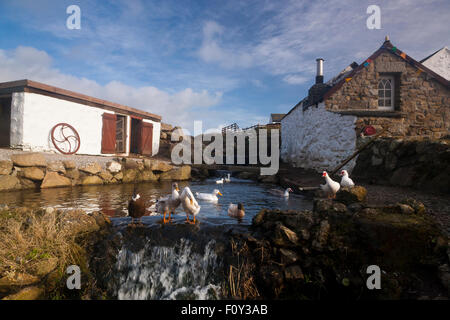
{"points": [[113, 199]]}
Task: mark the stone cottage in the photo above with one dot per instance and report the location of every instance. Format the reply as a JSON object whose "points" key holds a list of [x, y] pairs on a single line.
{"points": [[389, 90], [38, 117]]}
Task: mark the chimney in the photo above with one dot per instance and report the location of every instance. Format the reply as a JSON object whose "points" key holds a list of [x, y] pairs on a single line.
{"points": [[319, 76]]}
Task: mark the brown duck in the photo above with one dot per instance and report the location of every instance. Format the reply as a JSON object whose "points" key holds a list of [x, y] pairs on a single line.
{"points": [[136, 207]]}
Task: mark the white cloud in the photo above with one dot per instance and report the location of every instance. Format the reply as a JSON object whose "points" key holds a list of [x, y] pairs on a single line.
{"points": [[295, 79], [176, 108]]}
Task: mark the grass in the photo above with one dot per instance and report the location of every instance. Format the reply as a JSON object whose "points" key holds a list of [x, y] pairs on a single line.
{"points": [[240, 281], [28, 236]]}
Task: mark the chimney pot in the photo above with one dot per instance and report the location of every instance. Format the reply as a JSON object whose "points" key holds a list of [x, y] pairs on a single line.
{"points": [[319, 75]]}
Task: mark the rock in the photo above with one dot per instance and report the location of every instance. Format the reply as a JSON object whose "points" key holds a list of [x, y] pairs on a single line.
{"points": [[444, 275], [376, 161], [29, 160], [247, 175], [8, 183], [91, 180], [5, 167], [129, 175], [53, 179], [11, 283], [284, 237], [106, 175], [29, 293], [403, 177], [44, 267], [133, 164], [166, 127], [272, 278], [352, 195], [27, 184], [322, 235], [269, 179], [158, 165], [56, 166], [33, 173], [178, 173], [288, 256], [293, 273], [118, 176], [405, 209], [328, 206], [419, 207], [92, 168], [113, 166], [69, 164], [163, 135], [73, 174], [148, 175]]}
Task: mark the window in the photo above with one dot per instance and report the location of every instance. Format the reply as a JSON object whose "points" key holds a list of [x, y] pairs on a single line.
{"points": [[386, 93]]}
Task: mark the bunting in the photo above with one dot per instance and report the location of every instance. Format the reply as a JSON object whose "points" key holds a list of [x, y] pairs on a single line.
{"points": [[403, 55], [348, 79]]}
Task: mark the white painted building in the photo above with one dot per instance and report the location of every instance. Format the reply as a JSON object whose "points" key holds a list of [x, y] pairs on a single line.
{"points": [[439, 62], [30, 110]]}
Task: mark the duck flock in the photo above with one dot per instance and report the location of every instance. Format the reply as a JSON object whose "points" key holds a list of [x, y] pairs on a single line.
{"points": [[166, 206]]}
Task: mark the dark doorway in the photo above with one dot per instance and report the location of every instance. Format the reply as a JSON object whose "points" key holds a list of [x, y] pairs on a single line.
{"points": [[5, 121], [121, 134], [135, 135]]}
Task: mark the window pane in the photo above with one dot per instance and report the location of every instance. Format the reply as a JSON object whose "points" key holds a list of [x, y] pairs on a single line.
{"points": [[388, 84], [380, 85], [380, 102], [388, 93], [381, 93]]}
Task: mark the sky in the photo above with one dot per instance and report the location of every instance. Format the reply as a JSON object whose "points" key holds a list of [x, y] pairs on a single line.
{"points": [[219, 61]]}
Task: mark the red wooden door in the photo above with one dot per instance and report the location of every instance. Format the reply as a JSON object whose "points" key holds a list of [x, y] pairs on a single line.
{"points": [[109, 133], [146, 139]]}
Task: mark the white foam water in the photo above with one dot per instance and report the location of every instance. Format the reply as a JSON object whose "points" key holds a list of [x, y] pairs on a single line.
{"points": [[158, 272]]}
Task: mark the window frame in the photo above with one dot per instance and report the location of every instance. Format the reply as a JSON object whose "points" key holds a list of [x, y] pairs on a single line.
{"points": [[392, 80]]}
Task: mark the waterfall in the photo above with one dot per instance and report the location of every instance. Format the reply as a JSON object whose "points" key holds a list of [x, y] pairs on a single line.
{"points": [[161, 272]]}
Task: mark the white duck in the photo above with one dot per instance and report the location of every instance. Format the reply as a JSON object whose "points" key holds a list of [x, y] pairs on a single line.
{"points": [[281, 193], [209, 196], [169, 204], [330, 187], [228, 178], [189, 204], [346, 181], [236, 210], [220, 181]]}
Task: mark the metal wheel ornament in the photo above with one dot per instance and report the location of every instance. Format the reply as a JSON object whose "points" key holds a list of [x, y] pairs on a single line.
{"points": [[65, 138]]}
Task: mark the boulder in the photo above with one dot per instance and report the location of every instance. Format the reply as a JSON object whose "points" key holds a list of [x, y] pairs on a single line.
{"points": [[106, 175], [148, 175], [91, 180], [69, 164], [328, 206], [9, 183], [12, 282], [166, 127], [91, 168], [130, 175], [5, 167], [158, 165], [73, 174], [133, 164], [56, 166], [284, 237], [419, 207], [118, 176], [352, 195], [53, 179], [33, 173], [178, 173], [43, 267], [288, 256], [113, 166], [29, 293], [29, 160], [27, 184]]}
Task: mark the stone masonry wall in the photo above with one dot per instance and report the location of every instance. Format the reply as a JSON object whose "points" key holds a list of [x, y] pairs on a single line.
{"points": [[423, 103]]}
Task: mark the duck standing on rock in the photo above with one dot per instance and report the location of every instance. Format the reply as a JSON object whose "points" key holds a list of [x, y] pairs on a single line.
{"points": [[330, 187], [346, 181], [169, 203], [136, 207], [190, 205]]}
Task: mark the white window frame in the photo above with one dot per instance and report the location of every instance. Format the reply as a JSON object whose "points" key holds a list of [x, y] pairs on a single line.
{"points": [[392, 80]]}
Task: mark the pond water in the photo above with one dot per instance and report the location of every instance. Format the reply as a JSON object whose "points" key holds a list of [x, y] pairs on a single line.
{"points": [[112, 200]]}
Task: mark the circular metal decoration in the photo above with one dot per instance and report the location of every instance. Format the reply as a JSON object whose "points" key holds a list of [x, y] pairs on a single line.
{"points": [[369, 131], [65, 138]]}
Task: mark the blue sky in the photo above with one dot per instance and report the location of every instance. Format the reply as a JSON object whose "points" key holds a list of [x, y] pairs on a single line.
{"points": [[216, 61]]}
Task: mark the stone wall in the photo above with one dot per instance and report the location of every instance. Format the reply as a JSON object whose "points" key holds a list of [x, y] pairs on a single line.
{"points": [[317, 139], [32, 170], [421, 102], [423, 164]]}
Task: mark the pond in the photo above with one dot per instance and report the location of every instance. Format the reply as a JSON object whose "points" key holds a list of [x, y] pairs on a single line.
{"points": [[112, 200]]}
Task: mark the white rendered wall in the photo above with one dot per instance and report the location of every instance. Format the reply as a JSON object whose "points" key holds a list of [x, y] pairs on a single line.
{"points": [[34, 115], [440, 63], [317, 139]]}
